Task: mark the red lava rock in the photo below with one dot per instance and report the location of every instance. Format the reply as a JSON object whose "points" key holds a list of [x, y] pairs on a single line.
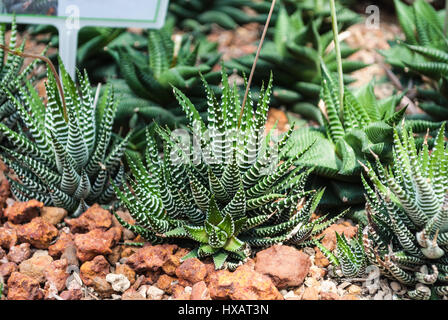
{"points": [[286, 266], [53, 215], [102, 286], [170, 266], [56, 274], [8, 238], [22, 212], [36, 266], [178, 292], [165, 283], [94, 218], [2, 253], [243, 284], [329, 296], [132, 294], [192, 270], [38, 233], [115, 256], [19, 253], [311, 293], [150, 257], [125, 270], [152, 277], [6, 269], [70, 255], [349, 297], [73, 294], [200, 291], [128, 251], [97, 268], [96, 242], [329, 240], [23, 287], [58, 248], [4, 194], [126, 216]]}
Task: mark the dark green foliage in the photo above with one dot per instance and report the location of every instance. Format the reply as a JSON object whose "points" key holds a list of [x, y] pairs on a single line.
{"points": [[198, 15], [424, 52], [146, 93], [225, 193], [294, 56], [64, 162], [13, 75], [366, 127], [407, 206], [313, 9]]}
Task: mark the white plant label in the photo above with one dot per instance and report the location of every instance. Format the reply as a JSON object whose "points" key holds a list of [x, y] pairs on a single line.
{"points": [[71, 15]]}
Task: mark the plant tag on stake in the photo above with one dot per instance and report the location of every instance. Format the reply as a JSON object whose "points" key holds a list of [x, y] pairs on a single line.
{"points": [[69, 16]]}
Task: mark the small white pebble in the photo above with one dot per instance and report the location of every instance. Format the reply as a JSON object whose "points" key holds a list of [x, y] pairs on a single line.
{"points": [[387, 297], [188, 289], [119, 282], [154, 293], [289, 294], [328, 286], [379, 296]]}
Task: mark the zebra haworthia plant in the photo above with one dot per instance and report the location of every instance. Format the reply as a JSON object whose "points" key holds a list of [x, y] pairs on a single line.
{"points": [[365, 125], [407, 206], [13, 75], [349, 256], [227, 197], [423, 52], [64, 156]]}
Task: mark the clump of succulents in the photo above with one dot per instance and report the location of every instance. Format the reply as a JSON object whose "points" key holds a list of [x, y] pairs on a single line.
{"points": [[64, 155], [349, 134], [407, 206], [13, 75], [146, 92], [225, 193], [424, 52], [294, 55], [199, 15]]}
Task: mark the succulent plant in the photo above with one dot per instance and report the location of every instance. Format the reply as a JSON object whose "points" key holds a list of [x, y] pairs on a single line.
{"points": [[320, 8], [294, 55], [198, 15], [349, 256], [365, 126], [13, 75], [407, 206], [64, 155], [424, 52], [228, 196], [146, 92]]}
